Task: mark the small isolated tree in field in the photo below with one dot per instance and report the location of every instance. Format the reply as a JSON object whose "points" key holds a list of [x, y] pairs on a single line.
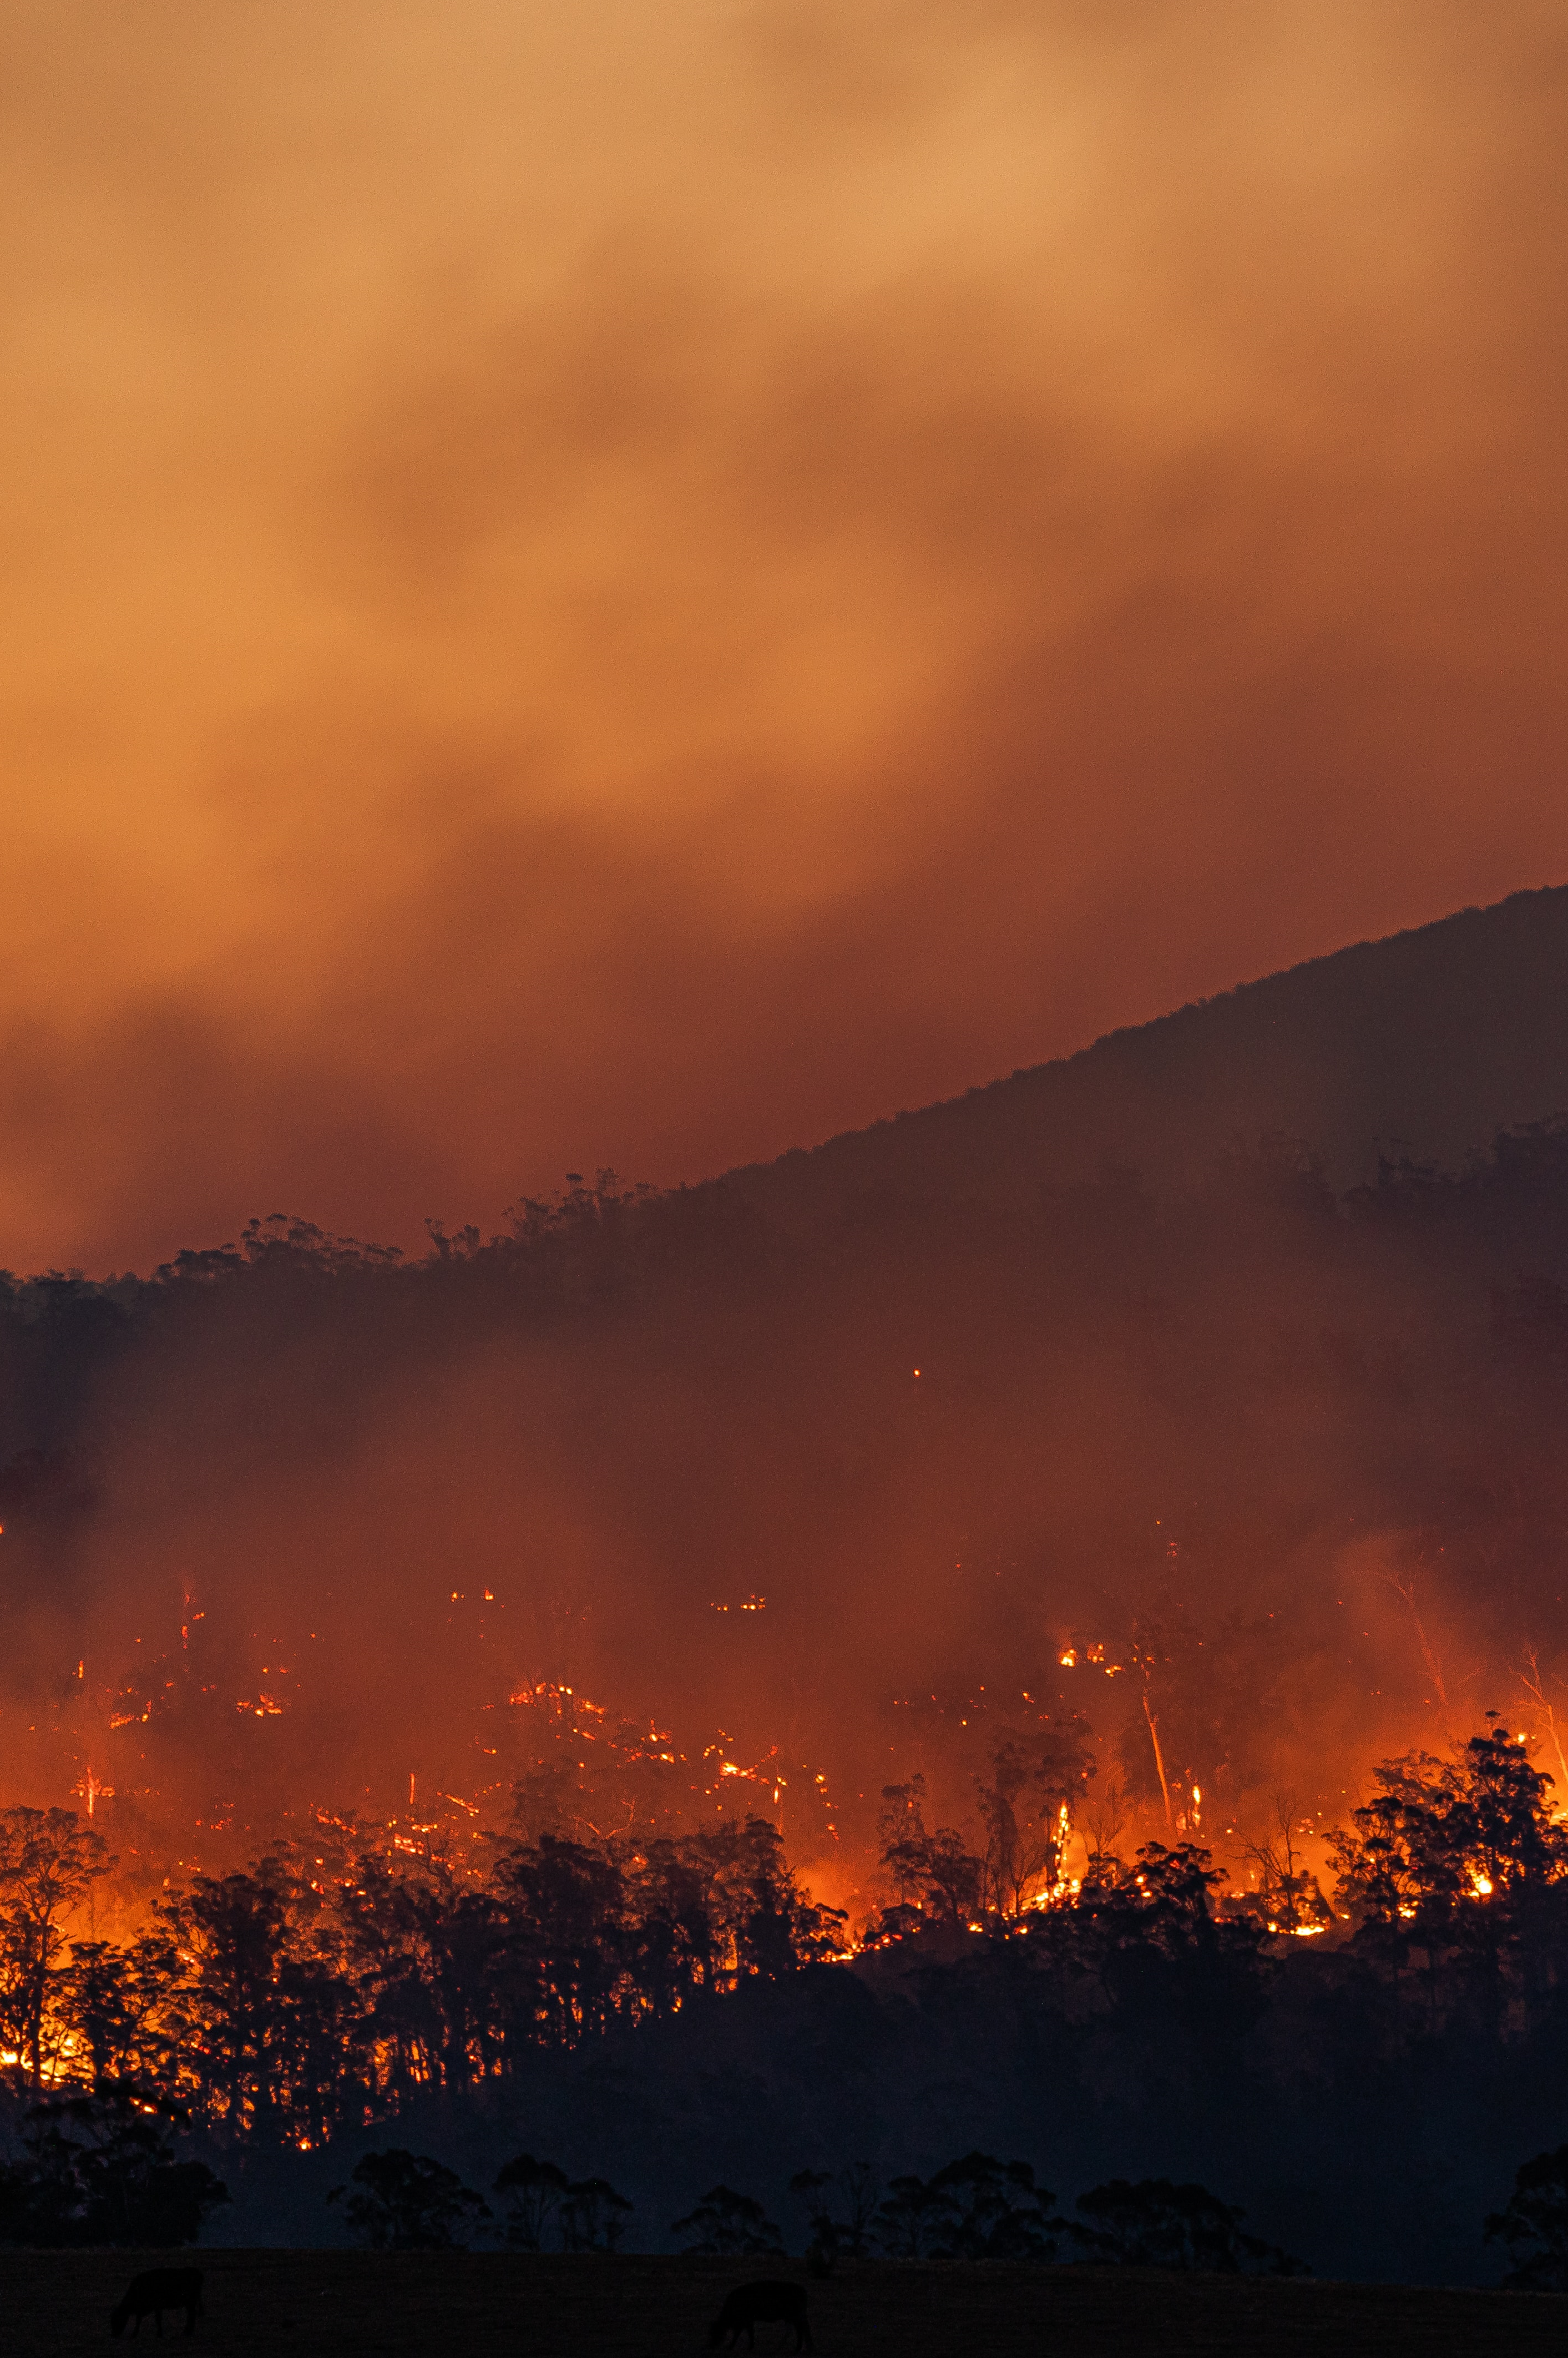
{"points": [[1533, 2225], [535, 2191], [725, 2222], [858, 2191], [1154, 2224], [407, 2202], [593, 2216], [911, 2219], [993, 2211], [809, 2187], [976, 2208], [839, 2208]]}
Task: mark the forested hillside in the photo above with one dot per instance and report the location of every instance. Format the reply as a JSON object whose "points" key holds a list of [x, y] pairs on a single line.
{"points": [[1424, 1044]]}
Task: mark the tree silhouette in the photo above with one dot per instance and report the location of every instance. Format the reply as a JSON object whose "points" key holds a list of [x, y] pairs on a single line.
{"points": [[936, 1872], [101, 2169], [236, 1930], [839, 2208], [1289, 1898], [1533, 2225], [992, 2211], [112, 2001], [724, 2222], [1156, 2224], [593, 2216], [535, 2191], [1037, 1777], [1458, 1868], [404, 2201], [1439, 1836], [48, 1861], [912, 2218]]}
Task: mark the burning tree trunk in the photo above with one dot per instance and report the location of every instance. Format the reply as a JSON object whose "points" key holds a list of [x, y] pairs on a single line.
{"points": [[1159, 1762]]}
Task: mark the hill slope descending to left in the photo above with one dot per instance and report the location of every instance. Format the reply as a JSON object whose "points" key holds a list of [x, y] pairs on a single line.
{"points": [[1426, 1044]]}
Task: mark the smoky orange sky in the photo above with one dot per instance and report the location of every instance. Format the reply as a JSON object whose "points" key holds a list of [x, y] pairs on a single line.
{"points": [[638, 585]]}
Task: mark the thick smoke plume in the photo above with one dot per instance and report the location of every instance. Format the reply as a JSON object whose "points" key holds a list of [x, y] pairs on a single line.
{"points": [[643, 588]]}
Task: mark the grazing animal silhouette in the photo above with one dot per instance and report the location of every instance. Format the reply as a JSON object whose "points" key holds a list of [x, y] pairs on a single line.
{"points": [[750, 2305], [154, 2291]]}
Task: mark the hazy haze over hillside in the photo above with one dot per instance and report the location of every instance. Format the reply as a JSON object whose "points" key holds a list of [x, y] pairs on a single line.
{"points": [[642, 586], [804, 1479]]}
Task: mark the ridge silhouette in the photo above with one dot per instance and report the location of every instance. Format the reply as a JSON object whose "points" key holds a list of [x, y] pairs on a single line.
{"points": [[1428, 1041]]}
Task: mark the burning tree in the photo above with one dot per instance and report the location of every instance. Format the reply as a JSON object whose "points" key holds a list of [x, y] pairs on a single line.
{"points": [[295, 2006], [1026, 1805], [1455, 1858], [935, 1872], [111, 2002], [1199, 1691], [48, 1862], [1147, 1937], [284, 2003], [1289, 1898]]}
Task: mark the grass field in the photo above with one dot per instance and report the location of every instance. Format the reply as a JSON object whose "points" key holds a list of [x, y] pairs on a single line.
{"points": [[354, 2304]]}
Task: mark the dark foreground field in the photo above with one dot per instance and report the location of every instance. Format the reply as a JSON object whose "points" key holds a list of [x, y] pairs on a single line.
{"points": [[353, 2304]]}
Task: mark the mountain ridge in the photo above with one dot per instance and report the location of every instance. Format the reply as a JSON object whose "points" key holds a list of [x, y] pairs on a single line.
{"points": [[1424, 1042]]}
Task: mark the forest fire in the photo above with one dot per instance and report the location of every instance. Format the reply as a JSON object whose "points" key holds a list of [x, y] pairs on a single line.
{"points": [[456, 1746], [338, 1908], [794, 595], [1035, 1791], [592, 1644]]}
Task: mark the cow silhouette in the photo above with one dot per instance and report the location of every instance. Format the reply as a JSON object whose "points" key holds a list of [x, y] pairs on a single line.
{"points": [[154, 2291], [767, 2303]]}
